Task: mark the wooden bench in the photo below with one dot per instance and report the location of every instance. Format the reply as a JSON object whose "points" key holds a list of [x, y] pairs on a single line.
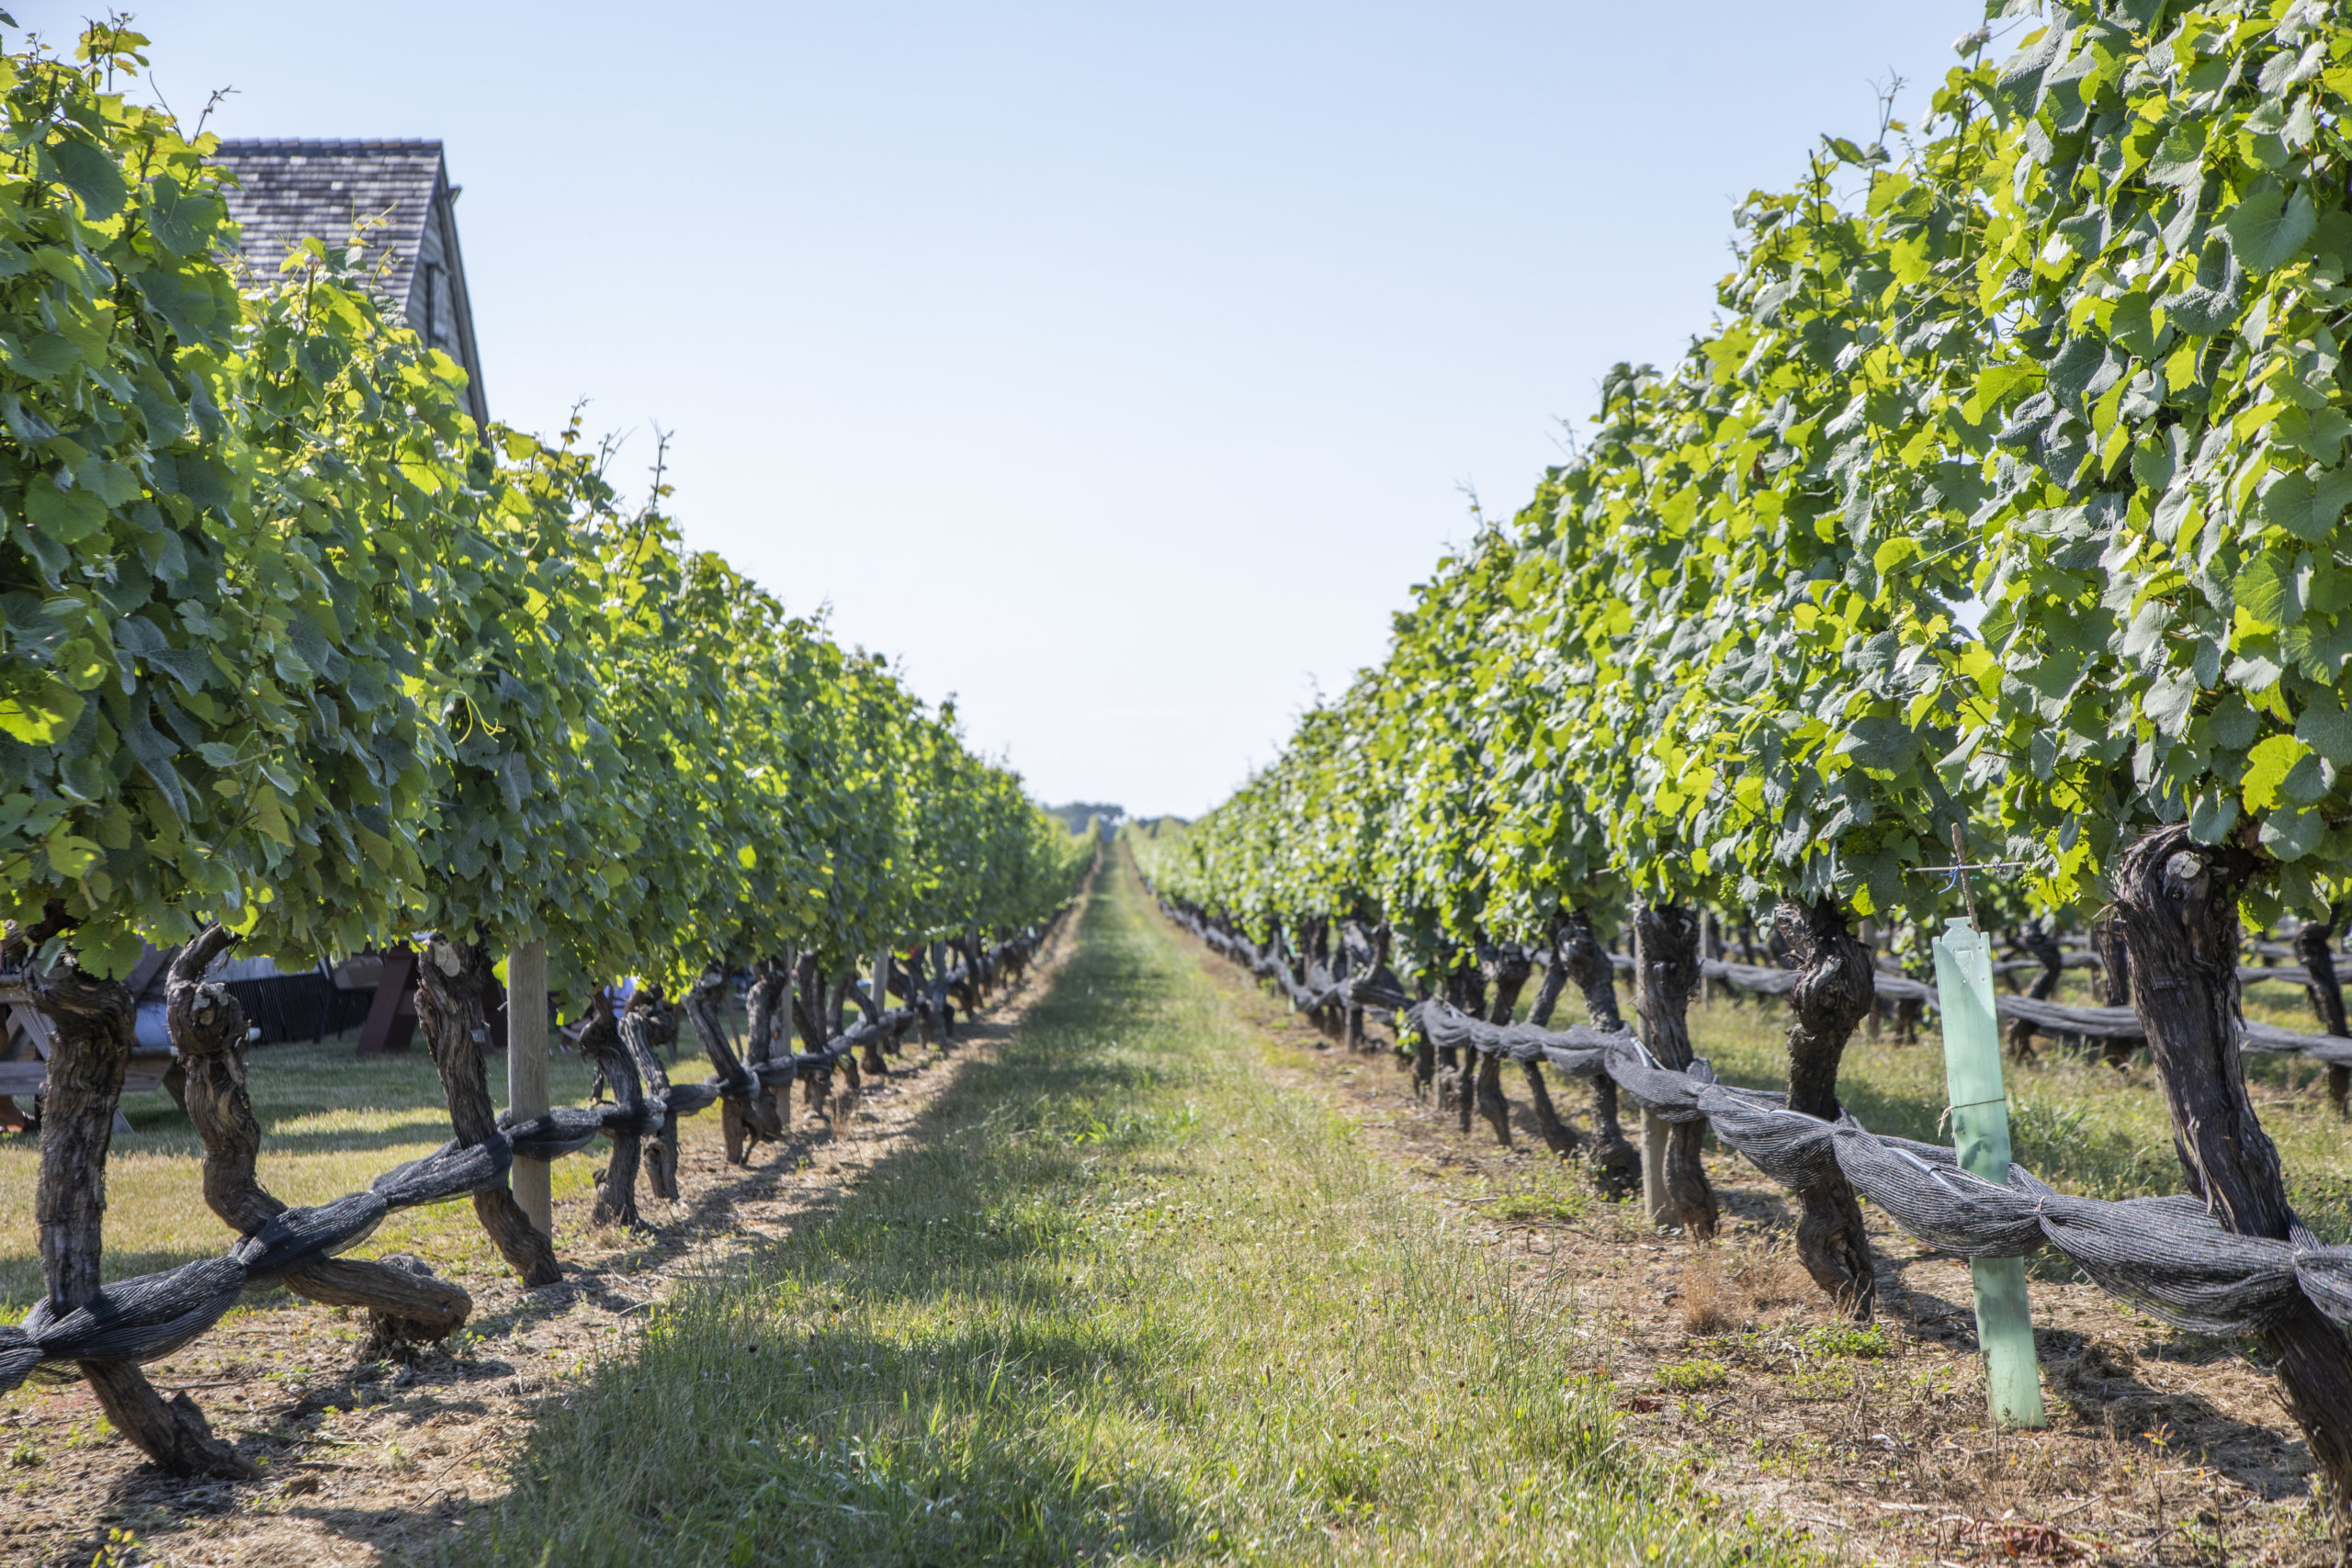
{"points": [[24, 1064]]}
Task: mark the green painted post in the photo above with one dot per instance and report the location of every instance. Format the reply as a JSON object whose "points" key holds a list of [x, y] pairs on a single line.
{"points": [[1980, 1126]]}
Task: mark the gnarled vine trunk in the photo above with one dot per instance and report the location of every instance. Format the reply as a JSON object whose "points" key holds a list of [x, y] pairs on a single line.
{"points": [[1835, 983], [1665, 966], [641, 1025], [869, 1011], [405, 1304], [1506, 969], [2039, 941], [968, 989], [600, 1044], [1451, 1079], [917, 981], [1615, 1163], [453, 983], [742, 1122], [2177, 901], [91, 1024], [2115, 982], [1558, 1136], [764, 1007], [2315, 945], [808, 1016]]}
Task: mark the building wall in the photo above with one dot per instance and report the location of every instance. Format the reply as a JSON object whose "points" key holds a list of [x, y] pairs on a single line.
{"points": [[437, 306]]}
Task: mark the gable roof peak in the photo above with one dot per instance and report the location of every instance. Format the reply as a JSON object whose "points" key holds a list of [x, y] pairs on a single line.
{"points": [[392, 196]]}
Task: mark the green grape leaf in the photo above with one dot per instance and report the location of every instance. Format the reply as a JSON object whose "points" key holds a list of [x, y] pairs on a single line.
{"points": [[2267, 591], [2268, 228], [91, 172]]}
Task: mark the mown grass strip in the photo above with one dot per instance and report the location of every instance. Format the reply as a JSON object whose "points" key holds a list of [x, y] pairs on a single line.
{"points": [[1128, 1300]]}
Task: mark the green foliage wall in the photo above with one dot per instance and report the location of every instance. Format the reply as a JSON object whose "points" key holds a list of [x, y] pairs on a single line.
{"points": [[291, 644], [2005, 492]]}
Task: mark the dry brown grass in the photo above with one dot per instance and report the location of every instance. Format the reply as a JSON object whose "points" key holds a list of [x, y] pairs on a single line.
{"points": [[1711, 1304], [1768, 1271]]}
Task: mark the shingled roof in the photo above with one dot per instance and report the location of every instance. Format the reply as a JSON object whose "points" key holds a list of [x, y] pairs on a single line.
{"points": [[289, 191]]}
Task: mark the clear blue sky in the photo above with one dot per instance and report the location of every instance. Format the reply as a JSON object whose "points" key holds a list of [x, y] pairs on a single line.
{"points": [[1116, 367]]}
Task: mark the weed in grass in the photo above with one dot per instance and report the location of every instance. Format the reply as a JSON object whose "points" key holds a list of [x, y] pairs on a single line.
{"points": [[1826, 1383], [1800, 1456], [1131, 1300], [1693, 1375], [1868, 1341], [1558, 1208]]}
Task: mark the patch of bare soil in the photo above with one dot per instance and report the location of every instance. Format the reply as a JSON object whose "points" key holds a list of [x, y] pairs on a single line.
{"points": [[2162, 1447], [370, 1462]]}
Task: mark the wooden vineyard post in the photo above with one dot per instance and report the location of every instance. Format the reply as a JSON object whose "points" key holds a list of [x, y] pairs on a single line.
{"points": [[1709, 949], [1979, 1125], [1656, 1201], [526, 1072], [882, 992], [786, 1036]]}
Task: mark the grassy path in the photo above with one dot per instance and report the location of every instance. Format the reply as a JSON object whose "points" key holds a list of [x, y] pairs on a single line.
{"points": [[1128, 1300]]}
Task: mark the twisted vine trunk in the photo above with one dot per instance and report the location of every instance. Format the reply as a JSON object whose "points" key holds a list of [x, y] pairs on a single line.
{"points": [[2114, 962], [1458, 1078], [1665, 966], [2115, 983], [453, 983], [1558, 1136], [405, 1304], [1615, 1164], [600, 1044], [91, 1024], [2037, 940], [837, 999], [741, 1120], [808, 988], [1445, 1069], [764, 1007], [871, 1051], [1367, 955], [1470, 986], [1835, 987], [941, 1003], [968, 989], [2176, 902], [918, 992], [1425, 1059], [641, 1026], [2313, 946], [1506, 970]]}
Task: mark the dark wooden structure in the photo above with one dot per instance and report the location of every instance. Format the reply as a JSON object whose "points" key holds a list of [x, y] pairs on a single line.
{"points": [[394, 196]]}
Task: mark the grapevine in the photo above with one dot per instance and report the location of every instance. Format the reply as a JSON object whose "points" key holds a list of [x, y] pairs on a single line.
{"points": [[1999, 517]]}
